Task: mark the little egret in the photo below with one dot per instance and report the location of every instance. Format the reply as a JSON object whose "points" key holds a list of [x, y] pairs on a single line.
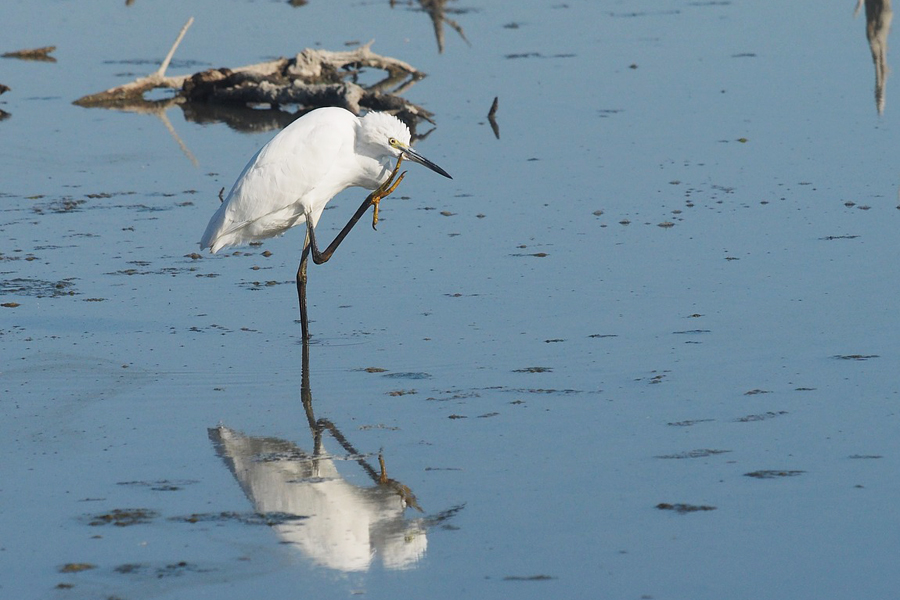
{"points": [[291, 179]]}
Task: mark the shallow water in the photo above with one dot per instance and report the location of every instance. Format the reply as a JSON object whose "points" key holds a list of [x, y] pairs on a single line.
{"points": [[667, 285]]}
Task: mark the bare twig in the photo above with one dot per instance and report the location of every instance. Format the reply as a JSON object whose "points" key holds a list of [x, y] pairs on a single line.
{"points": [[161, 72], [135, 90]]}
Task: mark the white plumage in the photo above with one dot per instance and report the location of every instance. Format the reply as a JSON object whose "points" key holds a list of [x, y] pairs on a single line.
{"points": [[303, 167]]}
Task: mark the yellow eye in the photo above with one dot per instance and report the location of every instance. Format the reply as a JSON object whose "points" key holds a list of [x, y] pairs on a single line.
{"points": [[393, 142]]}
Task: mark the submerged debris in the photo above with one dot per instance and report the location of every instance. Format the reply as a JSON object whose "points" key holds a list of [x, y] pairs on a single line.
{"points": [[701, 453], [761, 417], [772, 474], [534, 370], [855, 356], [689, 422], [683, 509]]}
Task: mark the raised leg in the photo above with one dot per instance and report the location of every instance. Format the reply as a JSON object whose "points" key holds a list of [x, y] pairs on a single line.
{"points": [[310, 246], [371, 200]]}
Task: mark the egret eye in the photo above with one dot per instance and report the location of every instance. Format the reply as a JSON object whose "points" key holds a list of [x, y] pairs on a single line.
{"points": [[392, 142]]}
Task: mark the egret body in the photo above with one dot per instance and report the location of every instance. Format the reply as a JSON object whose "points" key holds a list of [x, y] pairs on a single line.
{"points": [[291, 179]]}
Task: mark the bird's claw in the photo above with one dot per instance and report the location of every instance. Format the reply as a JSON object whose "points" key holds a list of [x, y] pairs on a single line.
{"points": [[386, 189], [379, 197]]}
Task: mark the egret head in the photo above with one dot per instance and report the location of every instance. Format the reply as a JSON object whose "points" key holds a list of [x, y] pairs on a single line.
{"points": [[390, 135]]}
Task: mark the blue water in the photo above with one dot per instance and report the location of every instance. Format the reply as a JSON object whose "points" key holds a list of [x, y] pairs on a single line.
{"points": [[674, 267]]}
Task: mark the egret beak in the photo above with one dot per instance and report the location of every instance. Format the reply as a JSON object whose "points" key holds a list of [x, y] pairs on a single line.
{"points": [[410, 154]]}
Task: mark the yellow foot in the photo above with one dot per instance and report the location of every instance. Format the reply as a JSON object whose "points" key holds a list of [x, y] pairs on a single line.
{"points": [[386, 189]]}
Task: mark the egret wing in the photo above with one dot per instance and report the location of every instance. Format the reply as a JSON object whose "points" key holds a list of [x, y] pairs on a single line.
{"points": [[293, 174]]}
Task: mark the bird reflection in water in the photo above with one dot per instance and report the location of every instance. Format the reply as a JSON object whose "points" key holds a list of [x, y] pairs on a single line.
{"points": [[333, 522]]}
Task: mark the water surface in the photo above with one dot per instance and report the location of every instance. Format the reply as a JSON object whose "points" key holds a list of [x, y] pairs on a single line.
{"points": [[643, 345]]}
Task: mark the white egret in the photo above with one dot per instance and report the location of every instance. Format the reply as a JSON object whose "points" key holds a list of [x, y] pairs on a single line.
{"points": [[291, 179]]}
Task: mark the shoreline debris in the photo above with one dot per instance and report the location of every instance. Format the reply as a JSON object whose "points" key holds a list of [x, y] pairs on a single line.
{"points": [[310, 79]]}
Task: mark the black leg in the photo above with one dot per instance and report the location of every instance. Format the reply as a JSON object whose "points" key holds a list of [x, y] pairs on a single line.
{"points": [[301, 292]]}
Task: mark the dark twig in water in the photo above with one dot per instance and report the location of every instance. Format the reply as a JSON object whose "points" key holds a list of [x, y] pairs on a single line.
{"points": [[491, 118]]}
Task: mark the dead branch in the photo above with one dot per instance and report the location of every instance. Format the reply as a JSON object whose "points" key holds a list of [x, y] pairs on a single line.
{"points": [[310, 79], [137, 88]]}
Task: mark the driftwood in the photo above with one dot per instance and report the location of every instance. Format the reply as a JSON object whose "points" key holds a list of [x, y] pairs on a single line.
{"points": [[310, 79], [40, 54]]}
